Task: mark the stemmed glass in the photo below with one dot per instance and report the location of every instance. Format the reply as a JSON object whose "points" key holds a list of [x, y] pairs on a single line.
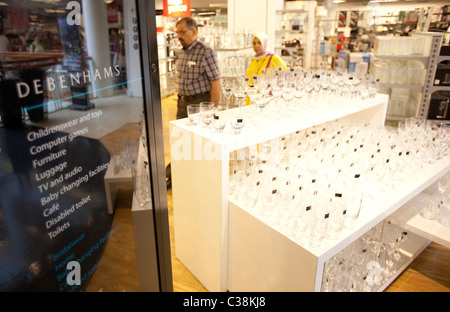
{"points": [[374, 87], [299, 92], [250, 89], [276, 90], [227, 92], [316, 85], [394, 238], [260, 99], [309, 84], [270, 192], [325, 83], [263, 83], [239, 94], [357, 81], [207, 111], [288, 93], [334, 82], [443, 199]]}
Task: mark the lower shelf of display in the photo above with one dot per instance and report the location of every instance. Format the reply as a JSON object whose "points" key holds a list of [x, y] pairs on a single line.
{"points": [[286, 275], [409, 218], [411, 248], [374, 211]]}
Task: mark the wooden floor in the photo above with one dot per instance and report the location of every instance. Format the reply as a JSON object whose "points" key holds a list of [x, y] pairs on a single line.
{"points": [[430, 272]]}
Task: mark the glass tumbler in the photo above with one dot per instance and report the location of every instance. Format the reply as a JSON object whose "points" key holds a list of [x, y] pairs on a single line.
{"points": [[193, 111], [430, 210]]}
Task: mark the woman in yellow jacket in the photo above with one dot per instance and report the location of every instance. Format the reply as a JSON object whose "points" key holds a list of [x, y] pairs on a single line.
{"points": [[263, 59]]}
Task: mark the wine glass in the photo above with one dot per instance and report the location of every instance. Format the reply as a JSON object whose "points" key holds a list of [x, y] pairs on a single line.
{"points": [[288, 92], [250, 89], [317, 87], [260, 99], [374, 87], [264, 83], [325, 83], [240, 94], [193, 111], [207, 112], [227, 92], [357, 81], [276, 90]]}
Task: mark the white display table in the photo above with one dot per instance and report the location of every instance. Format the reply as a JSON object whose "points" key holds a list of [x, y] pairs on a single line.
{"points": [[200, 172]]}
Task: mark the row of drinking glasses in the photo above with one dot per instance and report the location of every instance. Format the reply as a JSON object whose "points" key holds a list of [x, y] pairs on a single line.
{"points": [[312, 84], [368, 262], [286, 93], [207, 115], [312, 184], [296, 91]]}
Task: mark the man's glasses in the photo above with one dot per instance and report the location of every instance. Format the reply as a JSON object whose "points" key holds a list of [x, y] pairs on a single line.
{"points": [[182, 32]]}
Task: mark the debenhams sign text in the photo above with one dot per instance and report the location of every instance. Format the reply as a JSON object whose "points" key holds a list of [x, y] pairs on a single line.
{"points": [[73, 79]]}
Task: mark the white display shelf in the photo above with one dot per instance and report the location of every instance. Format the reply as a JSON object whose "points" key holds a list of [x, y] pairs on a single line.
{"points": [[200, 173], [369, 110], [263, 258], [420, 58], [409, 218]]}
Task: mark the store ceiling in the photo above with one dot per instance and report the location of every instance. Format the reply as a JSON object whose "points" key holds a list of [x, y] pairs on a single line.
{"points": [[223, 3], [53, 6]]}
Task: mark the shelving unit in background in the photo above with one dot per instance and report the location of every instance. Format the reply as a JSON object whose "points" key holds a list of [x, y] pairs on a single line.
{"points": [[297, 31], [422, 92], [167, 50], [431, 85]]}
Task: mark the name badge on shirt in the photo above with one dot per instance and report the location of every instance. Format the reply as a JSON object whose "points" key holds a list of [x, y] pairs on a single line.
{"points": [[191, 63]]}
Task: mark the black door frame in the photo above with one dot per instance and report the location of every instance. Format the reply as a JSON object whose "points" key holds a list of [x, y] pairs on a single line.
{"points": [[152, 109]]}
